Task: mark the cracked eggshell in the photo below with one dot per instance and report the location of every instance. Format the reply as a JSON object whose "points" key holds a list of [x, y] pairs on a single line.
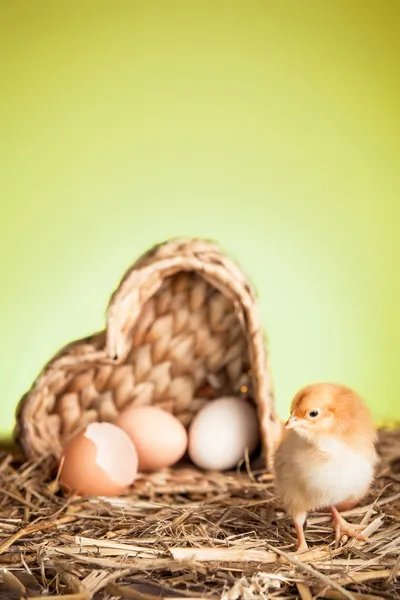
{"points": [[99, 461]]}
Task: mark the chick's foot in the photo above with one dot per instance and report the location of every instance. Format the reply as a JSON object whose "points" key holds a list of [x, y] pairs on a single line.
{"points": [[342, 527], [302, 547]]}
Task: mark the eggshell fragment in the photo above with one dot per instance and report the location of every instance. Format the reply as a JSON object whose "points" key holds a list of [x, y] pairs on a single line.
{"points": [[159, 438], [99, 461], [221, 432]]}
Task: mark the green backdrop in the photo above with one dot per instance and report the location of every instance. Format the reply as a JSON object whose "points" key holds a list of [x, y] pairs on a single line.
{"points": [[270, 126]]}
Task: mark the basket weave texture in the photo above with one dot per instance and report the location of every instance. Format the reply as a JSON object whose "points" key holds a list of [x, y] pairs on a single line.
{"points": [[182, 328]]}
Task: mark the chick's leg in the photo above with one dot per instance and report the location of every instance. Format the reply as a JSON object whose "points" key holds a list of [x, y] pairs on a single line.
{"points": [[342, 527], [342, 506], [298, 521]]}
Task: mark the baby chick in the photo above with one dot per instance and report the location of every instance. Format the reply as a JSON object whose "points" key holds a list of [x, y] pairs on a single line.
{"points": [[326, 460]]}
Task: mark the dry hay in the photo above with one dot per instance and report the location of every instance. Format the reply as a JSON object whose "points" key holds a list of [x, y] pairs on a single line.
{"points": [[191, 537]]}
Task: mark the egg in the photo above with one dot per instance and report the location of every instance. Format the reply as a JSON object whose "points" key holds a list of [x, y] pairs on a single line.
{"points": [[159, 438], [221, 432], [99, 461]]}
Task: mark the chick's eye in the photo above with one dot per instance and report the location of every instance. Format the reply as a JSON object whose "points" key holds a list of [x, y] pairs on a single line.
{"points": [[313, 413]]}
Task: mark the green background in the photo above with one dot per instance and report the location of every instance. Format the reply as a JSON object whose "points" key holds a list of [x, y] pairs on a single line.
{"points": [[270, 126]]}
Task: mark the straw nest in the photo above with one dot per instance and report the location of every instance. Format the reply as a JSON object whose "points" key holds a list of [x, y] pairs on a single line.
{"points": [[179, 534]]}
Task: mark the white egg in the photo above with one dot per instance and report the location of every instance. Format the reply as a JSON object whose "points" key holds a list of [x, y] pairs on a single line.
{"points": [[221, 432]]}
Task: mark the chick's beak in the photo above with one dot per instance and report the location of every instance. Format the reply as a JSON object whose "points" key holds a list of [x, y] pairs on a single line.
{"points": [[294, 422]]}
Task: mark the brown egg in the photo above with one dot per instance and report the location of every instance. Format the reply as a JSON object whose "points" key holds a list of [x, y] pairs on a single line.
{"points": [[159, 438], [99, 461]]}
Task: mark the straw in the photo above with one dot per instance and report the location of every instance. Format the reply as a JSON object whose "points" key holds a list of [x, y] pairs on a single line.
{"points": [[227, 540]]}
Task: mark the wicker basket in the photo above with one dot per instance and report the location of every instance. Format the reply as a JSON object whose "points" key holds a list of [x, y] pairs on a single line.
{"points": [[182, 328]]}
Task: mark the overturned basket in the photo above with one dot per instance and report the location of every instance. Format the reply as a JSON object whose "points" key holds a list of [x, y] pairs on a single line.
{"points": [[182, 328]]}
